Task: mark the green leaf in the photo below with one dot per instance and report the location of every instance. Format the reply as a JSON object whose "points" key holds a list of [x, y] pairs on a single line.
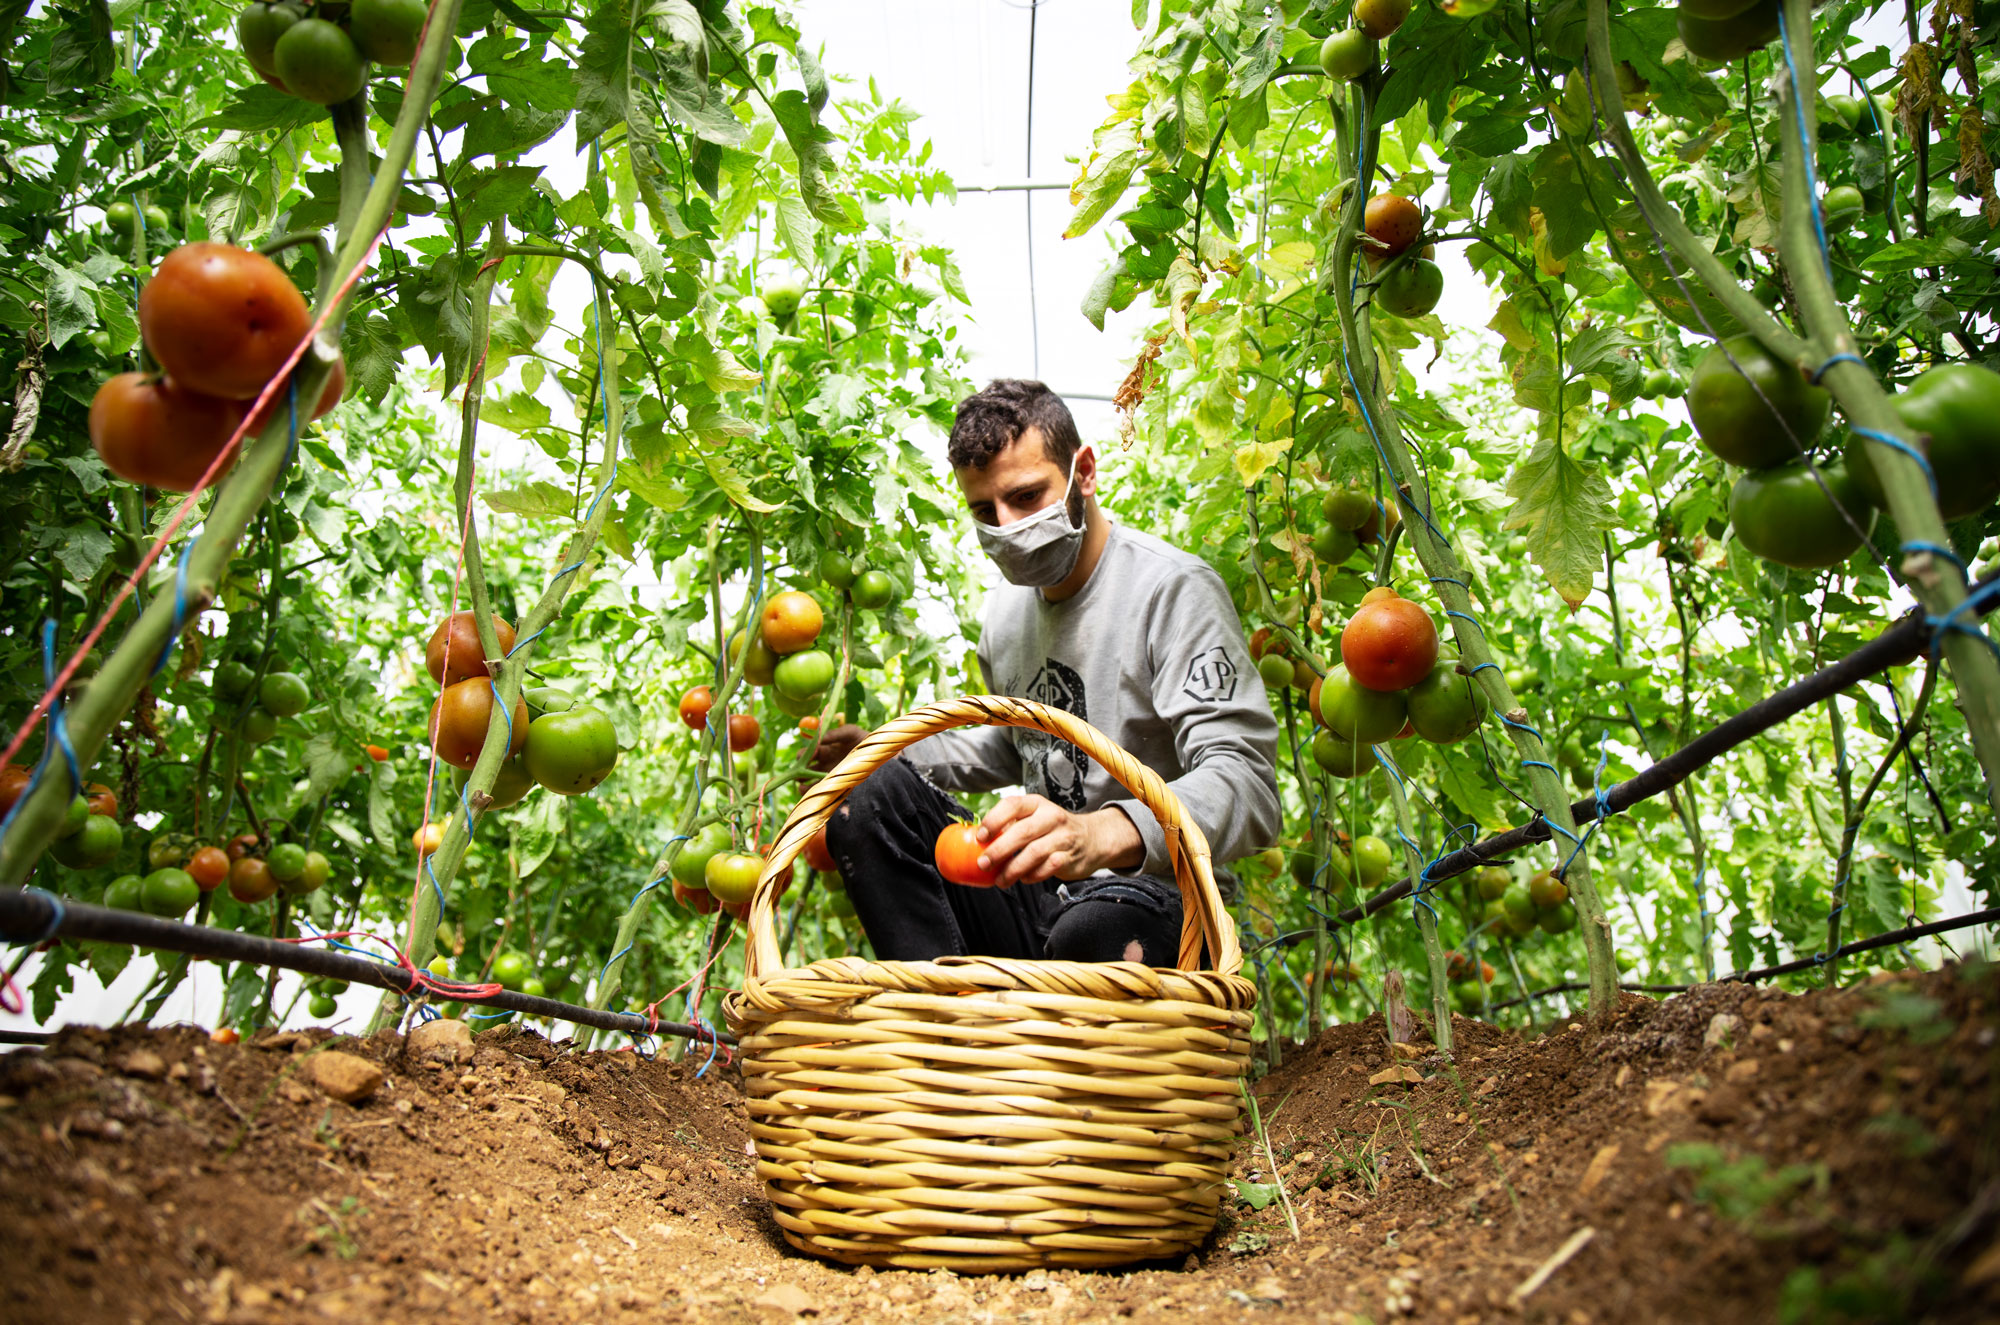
{"points": [[80, 52], [71, 297], [516, 411], [1927, 251], [83, 550], [326, 765], [539, 499], [1253, 459], [1565, 508], [534, 831], [1097, 299], [381, 806], [1256, 1195], [1103, 181], [734, 486]]}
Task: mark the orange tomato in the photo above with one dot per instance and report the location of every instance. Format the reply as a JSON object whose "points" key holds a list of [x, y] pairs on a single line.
{"points": [[1389, 644], [957, 855], [744, 732], [790, 622], [222, 320], [695, 705], [377, 753], [209, 866], [817, 854]]}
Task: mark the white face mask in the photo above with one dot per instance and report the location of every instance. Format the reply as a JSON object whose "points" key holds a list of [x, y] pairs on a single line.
{"points": [[1040, 550]]}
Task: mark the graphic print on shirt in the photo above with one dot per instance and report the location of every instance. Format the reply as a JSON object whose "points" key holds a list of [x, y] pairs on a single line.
{"points": [[1051, 767], [1211, 677]]}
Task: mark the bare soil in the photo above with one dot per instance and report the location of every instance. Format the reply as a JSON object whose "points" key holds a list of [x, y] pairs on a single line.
{"points": [[1728, 1155]]}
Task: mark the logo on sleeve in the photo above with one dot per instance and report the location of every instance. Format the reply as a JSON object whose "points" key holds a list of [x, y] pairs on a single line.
{"points": [[1211, 677]]}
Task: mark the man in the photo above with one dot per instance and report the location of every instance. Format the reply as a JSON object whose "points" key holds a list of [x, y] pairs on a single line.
{"points": [[1117, 627]]}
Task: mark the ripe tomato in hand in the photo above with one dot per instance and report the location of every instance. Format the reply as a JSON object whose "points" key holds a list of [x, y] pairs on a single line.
{"points": [[454, 652], [222, 320], [1390, 643], [957, 855], [155, 431]]}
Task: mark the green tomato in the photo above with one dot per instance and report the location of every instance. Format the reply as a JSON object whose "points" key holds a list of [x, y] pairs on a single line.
{"points": [[1726, 399], [692, 862], [1276, 671], [806, 707], [74, 818], [1445, 706], [318, 869], [386, 31], [1730, 38], [804, 674], [121, 217], [92, 845], [321, 1007], [1334, 545], [760, 666], [1346, 54], [1411, 289], [320, 63], [1782, 515], [1357, 714], [1839, 115], [169, 892], [509, 970], [1469, 996], [731, 877], [571, 752], [283, 694], [836, 570], [1342, 758], [533, 987], [1347, 508], [1957, 407], [440, 966], [126, 893], [1842, 207], [258, 29], [1557, 920], [1492, 881], [259, 725], [873, 590], [168, 851], [1371, 859], [156, 218], [782, 296], [1519, 903], [287, 862], [232, 681], [548, 699]]}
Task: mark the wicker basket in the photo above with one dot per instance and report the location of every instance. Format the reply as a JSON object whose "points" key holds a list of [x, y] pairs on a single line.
{"points": [[983, 1114]]}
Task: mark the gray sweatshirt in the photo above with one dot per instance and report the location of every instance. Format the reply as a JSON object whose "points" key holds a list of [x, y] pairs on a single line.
{"points": [[1151, 653]]}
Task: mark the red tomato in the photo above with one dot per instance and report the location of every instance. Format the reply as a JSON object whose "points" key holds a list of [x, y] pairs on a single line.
{"points": [[744, 733], [13, 781], [455, 653], [242, 845], [957, 855], [377, 753], [224, 1035], [102, 799], [1389, 644], [698, 900], [818, 855], [329, 396], [222, 320], [209, 866], [695, 705], [155, 431]]}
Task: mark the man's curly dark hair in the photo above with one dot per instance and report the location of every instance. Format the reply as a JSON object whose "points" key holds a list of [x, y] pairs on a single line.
{"points": [[991, 420]]}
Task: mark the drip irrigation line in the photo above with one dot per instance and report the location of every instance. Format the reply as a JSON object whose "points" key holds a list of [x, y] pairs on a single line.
{"points": [[1991, 915], [32, 916], [1909, 638]]}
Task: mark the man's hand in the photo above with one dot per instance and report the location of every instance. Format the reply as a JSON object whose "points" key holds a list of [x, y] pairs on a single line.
{"points": [[836, 745], [1030, 839]]}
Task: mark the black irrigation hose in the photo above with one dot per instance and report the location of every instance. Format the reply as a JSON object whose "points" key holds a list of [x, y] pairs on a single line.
{"points": [[1900, 643], [31, 917], [1987, 917]]}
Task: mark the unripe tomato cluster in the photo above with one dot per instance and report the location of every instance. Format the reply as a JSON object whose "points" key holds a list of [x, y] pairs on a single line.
{"points": [[552, 741], [257, 703], [710, 873], [321, 52], [221, 322], [1755, 411]]}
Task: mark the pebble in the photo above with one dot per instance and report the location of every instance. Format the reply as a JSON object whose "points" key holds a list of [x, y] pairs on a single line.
{"points": [[446, 1038], [142, 1063], [345, 1077]]}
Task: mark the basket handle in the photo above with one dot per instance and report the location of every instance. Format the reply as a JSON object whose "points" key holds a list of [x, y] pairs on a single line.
{"points": [[1202, 915]]}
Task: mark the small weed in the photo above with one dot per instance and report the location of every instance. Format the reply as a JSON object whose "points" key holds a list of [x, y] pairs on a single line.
{"points": [[1256, 1195], [1890, 1284], [1908, 1134], [1248, 1243], [1263, 1136], [324, 1132], [1743, 1187], [332, 1231], [1918, 1016]]}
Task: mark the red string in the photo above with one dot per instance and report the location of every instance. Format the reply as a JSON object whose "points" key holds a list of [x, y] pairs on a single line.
{"points": [[223, 459], [11, 1001], [419, 978]]}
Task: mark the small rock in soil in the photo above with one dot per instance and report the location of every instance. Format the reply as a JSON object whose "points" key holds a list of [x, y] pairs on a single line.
{"points": [[142, 1063], [445, 1038], [345, 1077]]}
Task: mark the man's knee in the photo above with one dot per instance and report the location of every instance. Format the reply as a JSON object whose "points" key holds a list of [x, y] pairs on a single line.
{"points": [[1109, 931]]}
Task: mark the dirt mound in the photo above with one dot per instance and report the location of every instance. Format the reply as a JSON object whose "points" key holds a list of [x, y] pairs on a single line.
{"points": [[1728, 1155]]}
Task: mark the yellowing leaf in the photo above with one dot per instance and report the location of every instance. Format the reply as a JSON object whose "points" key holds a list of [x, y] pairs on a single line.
{"points": [[1507, 321], [1184, 281], [1565, 507], [734, 486], [1287, 261], [1252, 459]]}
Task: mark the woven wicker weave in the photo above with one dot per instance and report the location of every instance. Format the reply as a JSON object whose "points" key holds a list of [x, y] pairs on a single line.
{"points": [[983, 1114]]}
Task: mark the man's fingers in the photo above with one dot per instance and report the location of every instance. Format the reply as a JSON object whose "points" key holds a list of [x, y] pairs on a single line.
{"points": [[1009, 810], [1032, 823], [1038, 861]]}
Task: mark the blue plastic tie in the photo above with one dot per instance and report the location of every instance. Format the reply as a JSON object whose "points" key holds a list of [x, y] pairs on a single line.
{"points": [[180, 609], [1521, 726], [1446, 579], [1799, 96], [1482, 667], [1897, 443], [522, 644], [1465, 617], [1937, 550], [505, 712], [1975, 601], [1537, 763], [1842, 357]]}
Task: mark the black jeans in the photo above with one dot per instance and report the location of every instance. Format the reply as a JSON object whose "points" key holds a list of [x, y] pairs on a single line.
{"points": [[884, 838]]}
